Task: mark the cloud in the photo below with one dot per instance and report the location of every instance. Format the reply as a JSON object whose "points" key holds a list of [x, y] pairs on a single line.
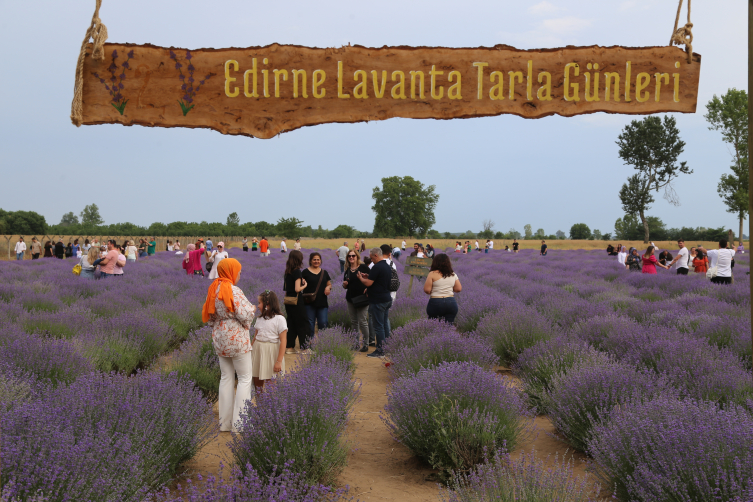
{"points": [[564, 25], [543, 8]]}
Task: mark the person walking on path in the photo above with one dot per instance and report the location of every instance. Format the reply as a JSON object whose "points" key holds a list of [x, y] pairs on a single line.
{"points": [[377, 283], [152, 247], [283, 246], [215, 258], [264, 247], [318, 288], [36, 248], [20, 248], [229, 313], [721, 260], [681, 259], [650, 262], [355, 297], [59, 249], [269, 341], [294, 284], [342, 253], [192, 261], [441, 285]]}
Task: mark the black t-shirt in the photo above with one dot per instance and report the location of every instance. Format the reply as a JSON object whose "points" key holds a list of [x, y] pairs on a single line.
{"points": [[543, 248], [312, 280], [289, 282], [381, 274], [355, 286], [59, 249], [515, 246]]}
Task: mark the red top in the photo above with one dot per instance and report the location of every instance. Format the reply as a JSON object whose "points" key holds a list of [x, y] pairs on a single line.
{"points": [[649, 265], [701, 265], [194, 261], [263, 246]]}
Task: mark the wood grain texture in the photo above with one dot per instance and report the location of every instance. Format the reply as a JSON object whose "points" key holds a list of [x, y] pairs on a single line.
{"points": [[151, 86]]}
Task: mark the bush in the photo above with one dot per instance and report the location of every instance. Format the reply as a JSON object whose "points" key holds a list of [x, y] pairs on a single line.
{"points": [[476, 303], [512, 330], [413, 333], [538, 365], [248, 485], [585, 396], [301, 417], [672, 450], [452, 414], [105, 437], [443, 346], [336, 342], [197, 360], [728, 333], [502, 479]]}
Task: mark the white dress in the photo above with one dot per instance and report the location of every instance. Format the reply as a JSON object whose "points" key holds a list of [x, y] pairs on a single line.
{"points": [[621, 257], [217, 258]]}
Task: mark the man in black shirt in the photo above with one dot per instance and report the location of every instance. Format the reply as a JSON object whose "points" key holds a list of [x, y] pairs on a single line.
{"points": [[515, 245], [59, 249], [377, 283], [543, 248]]}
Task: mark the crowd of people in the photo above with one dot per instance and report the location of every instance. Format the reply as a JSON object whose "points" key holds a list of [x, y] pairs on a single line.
{"points": [[716, 264]]}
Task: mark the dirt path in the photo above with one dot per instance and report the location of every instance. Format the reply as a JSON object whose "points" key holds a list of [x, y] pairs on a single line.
{"points": [[380, 468]]}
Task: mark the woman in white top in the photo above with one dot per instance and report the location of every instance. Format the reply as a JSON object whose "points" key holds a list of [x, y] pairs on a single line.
{"points": [[87, 263], [270, 340], [215, 258], [131, 252], [170, 246], [442, 283], [283, 246], [622, 256]]}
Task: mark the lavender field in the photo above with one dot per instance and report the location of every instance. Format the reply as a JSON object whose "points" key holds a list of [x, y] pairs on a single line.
{"points": [[106, 387]]}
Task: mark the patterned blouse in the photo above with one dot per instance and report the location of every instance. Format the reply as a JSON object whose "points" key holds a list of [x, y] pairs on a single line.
{"points": [[230, 329]]}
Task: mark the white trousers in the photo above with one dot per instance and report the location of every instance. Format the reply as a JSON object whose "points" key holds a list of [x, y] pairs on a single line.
{"points": [[232, 405]]}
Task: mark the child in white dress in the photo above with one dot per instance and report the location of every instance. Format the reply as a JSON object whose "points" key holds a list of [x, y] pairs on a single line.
{"points": [[270, 339]]}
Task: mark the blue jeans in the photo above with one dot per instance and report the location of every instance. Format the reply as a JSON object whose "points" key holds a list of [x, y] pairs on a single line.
{"points": [[142, 254], [342, 266], [379, 314], [396, 254], [444, 309], [318, 315], [19, 256]]}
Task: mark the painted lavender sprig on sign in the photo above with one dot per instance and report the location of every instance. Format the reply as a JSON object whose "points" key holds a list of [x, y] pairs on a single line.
{"points": [[188, 83], [114, 84]]}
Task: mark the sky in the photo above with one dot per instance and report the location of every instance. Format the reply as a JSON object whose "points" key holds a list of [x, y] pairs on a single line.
{"points": [[550, 172]]}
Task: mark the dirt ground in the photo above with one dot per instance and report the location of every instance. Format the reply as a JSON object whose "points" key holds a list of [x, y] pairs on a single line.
{"points": [[379, 468]]}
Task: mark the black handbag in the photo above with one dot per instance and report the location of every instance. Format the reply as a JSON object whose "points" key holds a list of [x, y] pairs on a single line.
{"points": [[359, 301], [311, 297]]}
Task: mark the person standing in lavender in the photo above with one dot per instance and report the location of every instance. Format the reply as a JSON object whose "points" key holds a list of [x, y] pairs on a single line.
{"points": [[441, 284], [342, 253], [681, 259]]}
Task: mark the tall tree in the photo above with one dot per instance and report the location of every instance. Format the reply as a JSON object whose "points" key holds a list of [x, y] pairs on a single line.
{"points": [[90, 216], [403, 206], [652, 147], [580, 231], [528, 230], [69, 219], [289, 227], [729, 114], [233, 220], [637, 199]]}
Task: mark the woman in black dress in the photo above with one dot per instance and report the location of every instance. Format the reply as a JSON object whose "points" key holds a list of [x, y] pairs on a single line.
{"points": [[298, 323]]}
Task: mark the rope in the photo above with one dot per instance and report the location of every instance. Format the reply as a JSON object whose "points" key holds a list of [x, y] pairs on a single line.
{"points": [[683, 35], [98, 33]]}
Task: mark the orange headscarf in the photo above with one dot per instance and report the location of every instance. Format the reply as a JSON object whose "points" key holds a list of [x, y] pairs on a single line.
{"points": [[228, 270]]}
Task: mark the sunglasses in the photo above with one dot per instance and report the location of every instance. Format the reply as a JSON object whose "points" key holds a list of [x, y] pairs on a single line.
{"points": [[351, 256]]}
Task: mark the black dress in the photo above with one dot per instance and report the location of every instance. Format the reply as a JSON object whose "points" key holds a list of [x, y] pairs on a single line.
{"points": [[48, 250], [298, 322]]}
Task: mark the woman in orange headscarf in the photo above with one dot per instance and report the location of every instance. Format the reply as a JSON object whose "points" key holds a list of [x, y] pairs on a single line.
{"points": [[229, 314]]}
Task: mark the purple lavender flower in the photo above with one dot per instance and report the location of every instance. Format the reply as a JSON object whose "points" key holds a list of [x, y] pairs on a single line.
{"points": [[118, 100], [188, 98]]}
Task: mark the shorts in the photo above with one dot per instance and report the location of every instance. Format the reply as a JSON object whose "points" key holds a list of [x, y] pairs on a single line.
{"points": [[682, 271]]}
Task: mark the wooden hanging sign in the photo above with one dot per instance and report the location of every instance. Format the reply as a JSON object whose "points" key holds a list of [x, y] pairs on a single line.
{"points": [[264, 91]]}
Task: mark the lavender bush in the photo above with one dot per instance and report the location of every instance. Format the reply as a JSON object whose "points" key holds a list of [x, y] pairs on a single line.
{"points": [[196, 360], [514, 328], [336, 342], [440, 347], [585, 396], [413, 333], [539, 365], [104, 437], [676, 450], [502, 479], [450, 415], [301, 417]]}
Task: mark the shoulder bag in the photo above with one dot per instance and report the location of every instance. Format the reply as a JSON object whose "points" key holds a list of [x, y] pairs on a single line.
{"points": [[290, 300], [311, 297], [359, 301]]}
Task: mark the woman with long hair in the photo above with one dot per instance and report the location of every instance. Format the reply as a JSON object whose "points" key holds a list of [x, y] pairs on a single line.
{"points": [[229, 313], [131, 251], [441, 284], [650, 262], [318, 287], [87, 263], [700, 262], [355, 297], [293, 285]]}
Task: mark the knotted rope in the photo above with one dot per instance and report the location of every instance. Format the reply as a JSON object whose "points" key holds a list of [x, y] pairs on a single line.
{"points": [[683, 35], [98, 33]]}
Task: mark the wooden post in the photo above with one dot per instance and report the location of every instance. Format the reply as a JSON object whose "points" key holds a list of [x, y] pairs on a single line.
{"points": [[750, 127], [8, 242]]}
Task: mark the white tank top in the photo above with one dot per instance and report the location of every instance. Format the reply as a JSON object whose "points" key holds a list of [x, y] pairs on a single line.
{"points": [[443, 287]]}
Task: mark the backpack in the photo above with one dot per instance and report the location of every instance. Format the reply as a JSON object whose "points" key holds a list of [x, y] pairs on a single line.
{"points": [[394, 279]]}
